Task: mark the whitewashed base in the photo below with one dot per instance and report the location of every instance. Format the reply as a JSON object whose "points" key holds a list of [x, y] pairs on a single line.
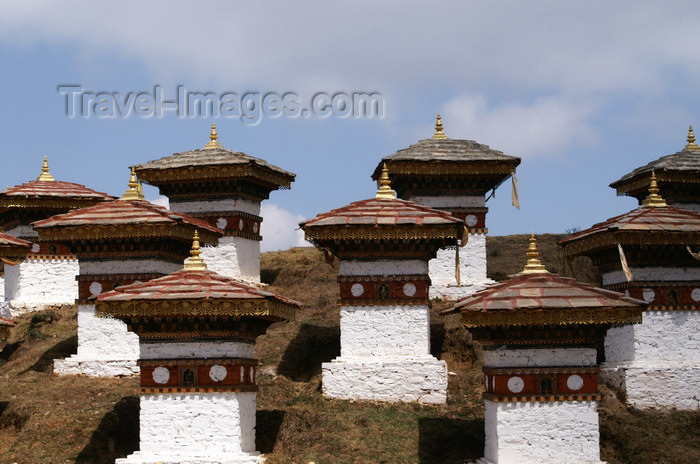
{"points": [[561, 432], [196, 428], [95, 368], [144, 458], [656, 387], [37, 284], [421, 379], [656, 363], [105, 348]]}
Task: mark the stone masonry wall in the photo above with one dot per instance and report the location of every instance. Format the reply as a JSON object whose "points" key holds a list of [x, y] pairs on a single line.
{"points": [[367, 331], [385, 350], [472, 265], [36, 283], [656, 363], [105, 348], [196, 427], [234, 257], [559, 432]]}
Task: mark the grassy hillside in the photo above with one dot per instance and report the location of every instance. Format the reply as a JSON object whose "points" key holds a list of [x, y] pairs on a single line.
{"points": [[47, 419]]}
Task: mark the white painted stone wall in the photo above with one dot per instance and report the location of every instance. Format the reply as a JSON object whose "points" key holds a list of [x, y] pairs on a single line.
{"points": [[368, 331], [421, 379], [385, 350], [204, 350], [2, 287], [209, 206], [449, 201], [129, 266], [472, 265], [543, 357], [105, 348], [234, 257], [386, 267], [657, 362], [558, 432], [35, 284], [196, 428]]}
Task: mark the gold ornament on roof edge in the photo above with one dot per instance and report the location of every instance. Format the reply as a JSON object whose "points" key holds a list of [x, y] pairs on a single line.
{"points": [[692, 146], [533, 265], [195, 262], [212, 139], [654, 199], [133, 192], [385, 185], [45, 176], [439, 134]]}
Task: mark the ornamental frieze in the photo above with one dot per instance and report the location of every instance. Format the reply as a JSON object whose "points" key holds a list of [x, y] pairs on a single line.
{"points": [[534, 384], [662, 295], [382, 290], [198, 375]]}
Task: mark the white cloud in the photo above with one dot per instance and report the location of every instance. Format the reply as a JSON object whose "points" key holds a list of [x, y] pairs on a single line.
{"points": [[545, 126], [279, 229], [581, 48]]}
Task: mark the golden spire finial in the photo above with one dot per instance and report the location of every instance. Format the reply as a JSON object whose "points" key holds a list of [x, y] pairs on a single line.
{"points": [[533, 265], [385, 185], [133, 192], [45, 176], [195, 262], [212, 138], [692, 146], [439, 134], [654, 199]]}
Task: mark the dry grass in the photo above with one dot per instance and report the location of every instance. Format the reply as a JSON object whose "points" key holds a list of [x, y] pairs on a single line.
{"points": [[47, 419]]}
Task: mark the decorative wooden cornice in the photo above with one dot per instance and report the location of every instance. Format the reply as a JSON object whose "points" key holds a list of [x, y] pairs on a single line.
{"points": [[565, 317], [192, 308], [120, 232]]}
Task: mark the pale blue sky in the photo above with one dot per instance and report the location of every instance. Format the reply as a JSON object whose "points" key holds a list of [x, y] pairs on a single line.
{"points": [[582, 91]]}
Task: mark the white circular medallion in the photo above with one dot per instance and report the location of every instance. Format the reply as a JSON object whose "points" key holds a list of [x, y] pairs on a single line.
{"points": [[95, 288], [217, 373], [161, 375], [252, 375], [357, 290], [648, 294], [240, 224], [36, 248], [695, 294], [136, 282], [574, 382], [255, 227], [471, 220], [221, 223], [409, 289], [242, 374], [486, 382], [516, 384], [627, 293]]}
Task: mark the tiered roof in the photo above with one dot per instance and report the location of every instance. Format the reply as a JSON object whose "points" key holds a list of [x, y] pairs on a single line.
{"points": [[45, 192], [12, 248], [441, 156], [212, 164], [124, 219], [383, 219], [194, 292], [678, 175], [536, 298], [652, 223]]}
